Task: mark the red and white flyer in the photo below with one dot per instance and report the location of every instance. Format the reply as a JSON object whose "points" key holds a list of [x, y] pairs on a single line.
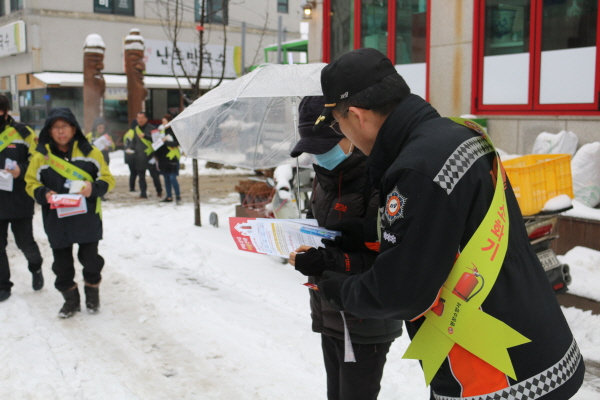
{"points": [[277, 237], [64, 200]]}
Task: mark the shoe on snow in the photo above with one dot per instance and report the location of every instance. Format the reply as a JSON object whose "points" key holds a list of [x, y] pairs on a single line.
{"points": [[4, 294], [72, 303], [37, 280], [92, 299], [178, 201]]}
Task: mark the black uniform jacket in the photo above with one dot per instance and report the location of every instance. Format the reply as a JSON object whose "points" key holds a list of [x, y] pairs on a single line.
{"points": [[165, 164], [342, 193], [140, 158], [40, 178], [441, 175], [17, 204]]}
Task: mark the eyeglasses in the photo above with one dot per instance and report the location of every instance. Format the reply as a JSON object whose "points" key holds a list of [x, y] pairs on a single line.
{"points": [[56, 128], [335, 125]]}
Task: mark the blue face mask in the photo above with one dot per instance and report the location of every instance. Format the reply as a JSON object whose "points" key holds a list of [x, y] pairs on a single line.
{"points": [[333, 157]]}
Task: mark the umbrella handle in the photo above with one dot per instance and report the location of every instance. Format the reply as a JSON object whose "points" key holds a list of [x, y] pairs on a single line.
{"points": [[295, 117]]}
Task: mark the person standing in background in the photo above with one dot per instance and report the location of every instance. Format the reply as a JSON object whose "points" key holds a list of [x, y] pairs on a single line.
{"points": [[168, 156], [17, 144], [100, 128], [143, 154], [129, 154]]}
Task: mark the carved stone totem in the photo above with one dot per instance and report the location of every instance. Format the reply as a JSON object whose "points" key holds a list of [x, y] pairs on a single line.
{"points": [[134, 69], [93, 81]]}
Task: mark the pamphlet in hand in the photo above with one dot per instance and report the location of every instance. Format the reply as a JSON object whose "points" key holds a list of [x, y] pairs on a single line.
{"points": [[67, 205], [278, 237], [103, 142], [9, 164], [64, 200], [6, 181]]}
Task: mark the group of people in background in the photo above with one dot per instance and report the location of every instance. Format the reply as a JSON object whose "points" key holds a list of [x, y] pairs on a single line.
{"points": [[60, 161], [141, 156]]}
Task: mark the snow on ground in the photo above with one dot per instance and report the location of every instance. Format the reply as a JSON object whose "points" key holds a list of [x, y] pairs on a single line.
{"points": [[185, 315], [119, 168], [585, 270]]}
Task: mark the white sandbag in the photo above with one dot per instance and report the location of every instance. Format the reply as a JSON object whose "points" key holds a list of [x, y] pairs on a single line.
{"points": [[585, 168], [563, 142]]}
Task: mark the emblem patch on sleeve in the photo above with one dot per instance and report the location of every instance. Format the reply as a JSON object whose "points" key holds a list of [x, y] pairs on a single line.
{"points": [[394, 206]]}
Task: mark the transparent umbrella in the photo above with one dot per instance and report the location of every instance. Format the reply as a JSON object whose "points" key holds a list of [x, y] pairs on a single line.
{"points": [[250, 122]]}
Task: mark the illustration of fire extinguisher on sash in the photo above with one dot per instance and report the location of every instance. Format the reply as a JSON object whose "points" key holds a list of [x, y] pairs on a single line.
{"points": [[464, 288]]}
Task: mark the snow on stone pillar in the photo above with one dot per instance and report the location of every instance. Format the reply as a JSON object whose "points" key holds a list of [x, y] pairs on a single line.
{"points": [[134, 69], [93, 81]]}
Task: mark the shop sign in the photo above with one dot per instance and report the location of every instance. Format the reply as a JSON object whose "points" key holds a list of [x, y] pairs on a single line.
{"points": [[159, 59], [12, 39]]}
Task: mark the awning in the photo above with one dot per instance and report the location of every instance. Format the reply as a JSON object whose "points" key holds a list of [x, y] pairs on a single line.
{"points": [[73, 79]]}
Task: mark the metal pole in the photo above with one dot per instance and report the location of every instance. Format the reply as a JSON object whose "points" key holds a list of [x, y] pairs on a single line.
{"points": [[279, 36], [295, 118], [197, 219], [243, 47]]}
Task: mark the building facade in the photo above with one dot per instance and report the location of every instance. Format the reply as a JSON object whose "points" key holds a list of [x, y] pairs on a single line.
{"points": [[42, 48], [527, 66]]}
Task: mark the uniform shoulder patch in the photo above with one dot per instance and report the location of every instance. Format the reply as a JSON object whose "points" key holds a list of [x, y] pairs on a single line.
{"points": [[394, 206]]}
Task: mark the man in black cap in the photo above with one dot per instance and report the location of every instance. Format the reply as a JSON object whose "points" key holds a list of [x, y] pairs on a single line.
{"points": [[17, 144], [341, 191], [455, 261]]}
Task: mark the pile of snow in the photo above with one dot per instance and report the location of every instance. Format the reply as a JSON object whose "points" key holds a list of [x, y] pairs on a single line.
{"points": [[585, 270], [585, 168]]}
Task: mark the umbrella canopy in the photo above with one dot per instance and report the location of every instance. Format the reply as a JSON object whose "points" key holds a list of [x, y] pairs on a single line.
{"points": [[250, 122]]}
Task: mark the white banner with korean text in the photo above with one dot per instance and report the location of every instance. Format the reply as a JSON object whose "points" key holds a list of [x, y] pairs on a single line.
{"points": [[159, 59]]}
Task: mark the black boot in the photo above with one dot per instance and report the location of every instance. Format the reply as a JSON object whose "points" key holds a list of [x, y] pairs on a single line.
{"points": [[4, 294], [92, 298], [72, 303], [37, 280]]}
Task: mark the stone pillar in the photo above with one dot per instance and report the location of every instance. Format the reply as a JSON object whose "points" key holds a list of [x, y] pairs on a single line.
{"points": [[93, 81], [134, 69]]}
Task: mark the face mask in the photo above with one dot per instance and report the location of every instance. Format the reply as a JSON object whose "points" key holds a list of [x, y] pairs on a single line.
{"points": [[333, 157]]}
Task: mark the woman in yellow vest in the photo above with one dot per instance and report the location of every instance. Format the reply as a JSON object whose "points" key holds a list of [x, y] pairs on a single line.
{"points": [[99, 129], [64, 159]]}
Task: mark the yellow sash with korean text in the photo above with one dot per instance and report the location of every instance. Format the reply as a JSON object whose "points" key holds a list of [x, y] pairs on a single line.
{"points": [[70, 171], [148, 150], [8, 136], [458, 319]]}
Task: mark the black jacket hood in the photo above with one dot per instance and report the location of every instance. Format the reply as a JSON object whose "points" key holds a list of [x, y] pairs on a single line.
{"points": [[66, 114]]}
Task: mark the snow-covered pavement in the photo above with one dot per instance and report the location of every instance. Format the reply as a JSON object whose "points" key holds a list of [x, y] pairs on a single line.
{"points": [[184, 315]]}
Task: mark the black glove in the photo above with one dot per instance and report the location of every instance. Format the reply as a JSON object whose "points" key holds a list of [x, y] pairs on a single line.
{"points": [[312, 262], [355, 232], [330, 288]]}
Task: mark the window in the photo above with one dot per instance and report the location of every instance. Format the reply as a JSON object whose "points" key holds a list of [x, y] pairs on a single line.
{"points": [[373, 24], [216, 11], [397, 28], [119, 7], [536, 56], [16, 5], [342, 28], [2, 12], [283, 6]]}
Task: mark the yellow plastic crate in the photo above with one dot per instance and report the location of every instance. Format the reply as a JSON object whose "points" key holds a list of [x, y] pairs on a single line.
{"points": [[536, 178]]}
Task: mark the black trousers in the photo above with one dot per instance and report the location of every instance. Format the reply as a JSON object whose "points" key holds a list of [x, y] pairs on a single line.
{"points": [[64, 265], [22, 230], [132, 176], [155, 177], [360, 380]]}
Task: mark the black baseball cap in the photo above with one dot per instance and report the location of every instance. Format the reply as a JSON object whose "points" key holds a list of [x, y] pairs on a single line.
{"points": [[313, 141], [350, 74]]}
